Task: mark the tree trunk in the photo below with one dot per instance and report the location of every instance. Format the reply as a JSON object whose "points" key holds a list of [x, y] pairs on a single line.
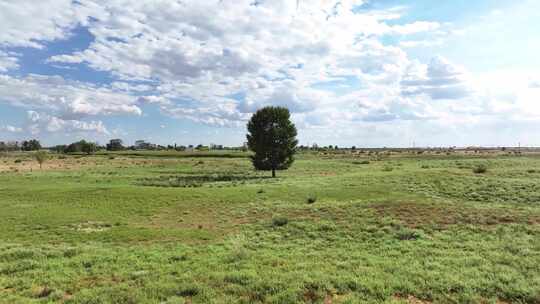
{"points": [[273, 172]]}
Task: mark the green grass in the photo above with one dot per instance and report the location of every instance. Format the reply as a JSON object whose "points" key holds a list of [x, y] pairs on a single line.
{"points": [[333, 229]]}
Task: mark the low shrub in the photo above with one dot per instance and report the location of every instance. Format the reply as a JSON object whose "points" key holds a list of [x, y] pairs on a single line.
{"points": [[405, 234], [480, 169], [279, 221], [188, 291], [362, 162], [388, 168], [311, 200]]}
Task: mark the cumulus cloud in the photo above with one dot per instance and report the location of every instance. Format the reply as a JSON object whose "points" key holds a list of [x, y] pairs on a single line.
{"points": [[27, 23], [214, 62], [438, 80], [8, 61], [68, 99], [42, 122], [270, 52]]}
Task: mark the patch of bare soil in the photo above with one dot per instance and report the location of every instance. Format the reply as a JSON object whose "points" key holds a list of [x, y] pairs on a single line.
{"points": [[90, 226], [29, 165]]}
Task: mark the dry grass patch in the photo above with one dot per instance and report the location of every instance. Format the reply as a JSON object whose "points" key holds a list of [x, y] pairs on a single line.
{"points": [[418, 215]]}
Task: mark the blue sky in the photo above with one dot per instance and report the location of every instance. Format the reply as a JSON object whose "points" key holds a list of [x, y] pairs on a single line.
{"points": [[363, 73]]}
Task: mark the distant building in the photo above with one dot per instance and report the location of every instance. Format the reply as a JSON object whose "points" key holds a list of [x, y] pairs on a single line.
{"points": [[115, 145], [143, 145], [116, 142]]}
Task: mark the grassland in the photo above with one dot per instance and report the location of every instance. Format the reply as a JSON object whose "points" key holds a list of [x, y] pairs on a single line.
{"points": [[179, 228]]}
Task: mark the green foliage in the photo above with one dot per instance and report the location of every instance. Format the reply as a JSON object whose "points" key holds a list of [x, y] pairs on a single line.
{"points": [[30, 145], [82, 146], [41, 156], [388, 168], [480, 169], [272, 136], [93, 234], [279, 221], [362, 162]]}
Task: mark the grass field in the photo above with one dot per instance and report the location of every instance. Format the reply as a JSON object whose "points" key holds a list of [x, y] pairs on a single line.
{"points": [[178, 228]]}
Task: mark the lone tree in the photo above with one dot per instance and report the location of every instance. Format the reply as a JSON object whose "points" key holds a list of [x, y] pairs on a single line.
{"points": [[41, 157], [272, 136]]}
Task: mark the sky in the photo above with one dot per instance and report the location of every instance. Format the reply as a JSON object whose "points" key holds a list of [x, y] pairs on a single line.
{"points": [[371, 73]]}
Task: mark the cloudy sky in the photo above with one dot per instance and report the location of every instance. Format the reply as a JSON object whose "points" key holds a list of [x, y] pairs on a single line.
{"points": [[352, 72]]}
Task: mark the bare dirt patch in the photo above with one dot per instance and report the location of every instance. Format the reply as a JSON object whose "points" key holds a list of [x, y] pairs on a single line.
{"points": [[27, 164], [90, 226]]}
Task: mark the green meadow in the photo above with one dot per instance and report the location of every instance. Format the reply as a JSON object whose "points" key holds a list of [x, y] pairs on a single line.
{"points": [[206, 228]]}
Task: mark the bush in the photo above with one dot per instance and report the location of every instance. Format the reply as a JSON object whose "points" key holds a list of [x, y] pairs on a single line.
{"points": [[311, 200], [387, 168], [363, 162], [408, 234], [479, 169], [279, 221]]}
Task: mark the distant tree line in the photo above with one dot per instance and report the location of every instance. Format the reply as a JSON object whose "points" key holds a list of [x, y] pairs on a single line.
{"points": [[26, 145], [81, 146]]}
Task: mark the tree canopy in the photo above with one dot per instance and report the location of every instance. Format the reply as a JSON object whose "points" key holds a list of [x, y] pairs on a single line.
{"points": [[31, 145], [40, 156], [81, 146], [272, 136]]}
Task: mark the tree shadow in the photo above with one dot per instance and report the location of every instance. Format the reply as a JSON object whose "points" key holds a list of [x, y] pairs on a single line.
{"points": [[198, 180]]}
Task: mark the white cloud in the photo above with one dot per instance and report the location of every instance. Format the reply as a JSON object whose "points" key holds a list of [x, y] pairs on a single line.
{"points": [[67, 99], [439, 80], [41, 122], [271, 52], [10, 128], [27, 23], [8, 61], [415, 27], [214, 62]]}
